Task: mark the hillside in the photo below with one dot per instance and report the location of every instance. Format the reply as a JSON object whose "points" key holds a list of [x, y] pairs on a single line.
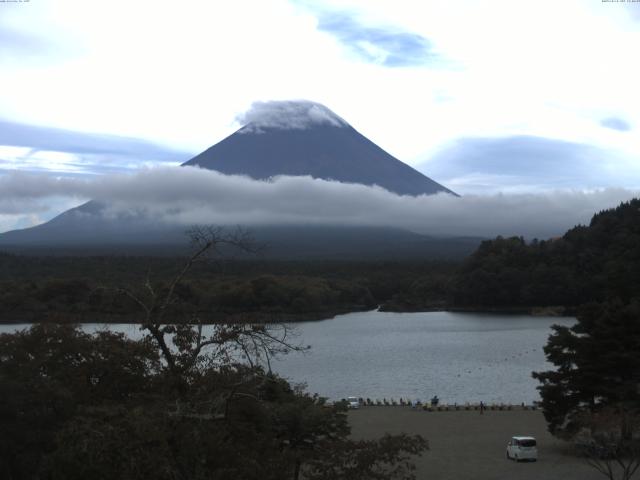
{"points": [[588, 263]]}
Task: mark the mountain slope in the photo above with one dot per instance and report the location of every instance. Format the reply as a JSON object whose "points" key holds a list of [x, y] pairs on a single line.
{"points": [[321, 151], [77, 233]]}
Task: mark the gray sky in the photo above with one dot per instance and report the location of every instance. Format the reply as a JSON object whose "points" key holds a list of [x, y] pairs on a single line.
{"points": [[518, 97]]}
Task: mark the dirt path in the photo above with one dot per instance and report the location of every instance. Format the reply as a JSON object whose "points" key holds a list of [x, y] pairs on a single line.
{"points": [[467, 445]]}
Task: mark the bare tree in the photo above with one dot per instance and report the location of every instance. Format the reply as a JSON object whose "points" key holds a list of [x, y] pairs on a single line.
{"points": [[182, 343], [607, 445]]}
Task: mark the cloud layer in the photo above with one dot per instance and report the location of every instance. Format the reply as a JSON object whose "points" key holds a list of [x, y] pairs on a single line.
{"points": [[37, 148], [191, 195], [287, 115], [528, 163]]}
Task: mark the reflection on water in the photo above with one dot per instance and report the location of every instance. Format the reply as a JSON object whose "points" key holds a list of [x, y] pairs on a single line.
{"points": [[458, 356]]}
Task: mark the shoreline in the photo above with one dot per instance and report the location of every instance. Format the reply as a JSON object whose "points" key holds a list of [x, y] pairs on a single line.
{"points": [[272, 317], [533, 310], [221, 318]]}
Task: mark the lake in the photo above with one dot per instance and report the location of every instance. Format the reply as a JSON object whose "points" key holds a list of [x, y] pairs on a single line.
{"points": [[461, 357]]}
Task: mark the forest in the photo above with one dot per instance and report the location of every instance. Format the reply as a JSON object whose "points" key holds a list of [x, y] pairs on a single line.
{"points": [[588, 263], [85, 289]]}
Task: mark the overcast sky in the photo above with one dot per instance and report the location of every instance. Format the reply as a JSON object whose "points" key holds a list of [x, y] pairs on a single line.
{"points": [[513, 96]]}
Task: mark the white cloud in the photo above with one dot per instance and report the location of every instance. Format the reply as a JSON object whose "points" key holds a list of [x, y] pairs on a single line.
{"points": [[288, 115], [191, 195]]}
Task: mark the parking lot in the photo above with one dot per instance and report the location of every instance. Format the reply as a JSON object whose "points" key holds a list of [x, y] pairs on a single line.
{"points": [[467, 445]]}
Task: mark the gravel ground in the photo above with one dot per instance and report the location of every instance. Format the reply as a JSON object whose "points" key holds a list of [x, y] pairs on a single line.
{"points": [[467, 445]]}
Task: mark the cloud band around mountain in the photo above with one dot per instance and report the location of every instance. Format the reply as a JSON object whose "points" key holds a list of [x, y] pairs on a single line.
{"points": [[194, 196]]}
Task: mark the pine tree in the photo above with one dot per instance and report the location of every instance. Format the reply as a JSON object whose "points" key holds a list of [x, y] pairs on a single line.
{"points": [[597, 366]]}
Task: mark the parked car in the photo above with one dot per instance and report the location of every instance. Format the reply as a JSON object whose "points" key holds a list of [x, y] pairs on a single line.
{"points": [[522, 448], [353, 402]]}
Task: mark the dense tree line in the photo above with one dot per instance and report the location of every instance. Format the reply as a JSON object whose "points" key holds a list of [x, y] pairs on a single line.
{"points": [[592, 396], [588, 263], [85, 289], [259, 298]]}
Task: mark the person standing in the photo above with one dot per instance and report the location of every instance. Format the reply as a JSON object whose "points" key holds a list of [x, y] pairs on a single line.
{"points": [[481, 407]]}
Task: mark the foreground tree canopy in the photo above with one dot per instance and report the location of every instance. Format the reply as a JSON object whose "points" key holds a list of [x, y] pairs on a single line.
{"points": [[184, 402], [597, 369]]}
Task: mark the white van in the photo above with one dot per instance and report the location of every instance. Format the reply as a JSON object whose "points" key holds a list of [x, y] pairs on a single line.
{"points": [[522, 448]]}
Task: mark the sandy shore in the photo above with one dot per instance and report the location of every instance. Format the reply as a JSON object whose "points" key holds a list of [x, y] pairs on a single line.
{"points": [[467, 445]]}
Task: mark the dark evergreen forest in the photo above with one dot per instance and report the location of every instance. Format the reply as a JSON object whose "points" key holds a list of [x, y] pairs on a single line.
{"points": [[588, 263]]}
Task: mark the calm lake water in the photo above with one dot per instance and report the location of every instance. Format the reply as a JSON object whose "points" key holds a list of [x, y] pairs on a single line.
{"points": [[461, 357]]}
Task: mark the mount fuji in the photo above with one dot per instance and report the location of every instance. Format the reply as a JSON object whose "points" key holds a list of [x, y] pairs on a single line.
{"points": [[305, 138], [293, 138]]}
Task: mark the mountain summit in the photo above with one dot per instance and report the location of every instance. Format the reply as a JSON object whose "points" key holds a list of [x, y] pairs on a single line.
{"points": [[306, 138]]}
